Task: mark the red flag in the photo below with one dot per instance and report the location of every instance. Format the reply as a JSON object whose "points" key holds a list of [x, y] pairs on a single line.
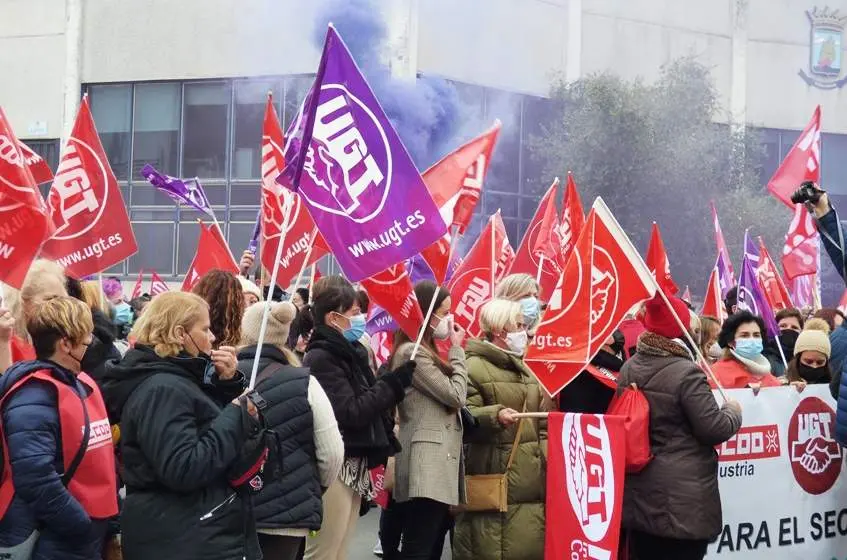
{"points": [[470, 285], [392, 290], [842, 305], [136, 290], [93, 231], [570, 226], [604, 278], [284, 217], [713, 304], [24, 222], [721, 242], [212, 254], [41, 172], [585, 479], [157, 285], [381, 343], [800, 254], [657, 262], [317, 276], [525, 259], [548, 244], [802, 163], [770, 281]]}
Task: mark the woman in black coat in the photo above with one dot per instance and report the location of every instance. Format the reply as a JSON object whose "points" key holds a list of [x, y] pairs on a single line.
{"points": [[363, 407], [182, 430]]}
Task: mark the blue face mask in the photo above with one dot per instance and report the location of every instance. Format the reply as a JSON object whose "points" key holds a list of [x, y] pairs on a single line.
{"points": [[531, 309], [356, 329], [123, 313], [750, 348]]}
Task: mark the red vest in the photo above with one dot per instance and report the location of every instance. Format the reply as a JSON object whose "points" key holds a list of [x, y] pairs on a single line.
{"points": [[21, 350], [94, 484]]}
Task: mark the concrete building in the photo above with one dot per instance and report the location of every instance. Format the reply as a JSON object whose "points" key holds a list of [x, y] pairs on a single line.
{"points": [[181, 83]]}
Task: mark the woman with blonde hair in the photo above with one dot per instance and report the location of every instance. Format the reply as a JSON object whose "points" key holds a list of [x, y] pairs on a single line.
{"points": [[183, 431], [523, 289], [710, 329], [500, 386]]}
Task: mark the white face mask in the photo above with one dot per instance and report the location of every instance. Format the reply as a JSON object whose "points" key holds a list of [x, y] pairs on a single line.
{"points": [[715, 351], [442, 331], [517, 341]]}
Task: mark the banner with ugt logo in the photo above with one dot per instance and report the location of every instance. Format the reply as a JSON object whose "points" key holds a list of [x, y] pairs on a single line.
{"points": [[603, 279], [358, 182], [92, 229]]}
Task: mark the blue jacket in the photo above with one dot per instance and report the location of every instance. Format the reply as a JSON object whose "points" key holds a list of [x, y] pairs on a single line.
{"points": [[33, 441]]}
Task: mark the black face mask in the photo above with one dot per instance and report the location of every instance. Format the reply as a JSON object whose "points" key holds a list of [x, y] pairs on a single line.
{"points": [[813, 374], [617, 346], [788, 339]]}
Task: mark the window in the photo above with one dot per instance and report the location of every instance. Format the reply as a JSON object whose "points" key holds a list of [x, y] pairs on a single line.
{"points": [[189, 233], [49, 152], [206, 130], [250, 102], [156, 128], [155, 244], [245, 194], [111, 107]]}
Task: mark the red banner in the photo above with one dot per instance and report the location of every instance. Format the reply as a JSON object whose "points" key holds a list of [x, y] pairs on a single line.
{"points": [[23, 214], [604, 278], [284, 217], [585, 479], [136, 290], [489, 259], [41, 172], [802, 163], [548, 244], [157, 285], [713, 303], [770, 281], [572, 222], [93, 231], [392, 290], [800, 253], [658, 263], [212, 254], [525, 259]]}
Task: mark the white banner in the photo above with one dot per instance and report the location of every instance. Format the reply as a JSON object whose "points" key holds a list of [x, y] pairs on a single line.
{"points": [[782, 480]]}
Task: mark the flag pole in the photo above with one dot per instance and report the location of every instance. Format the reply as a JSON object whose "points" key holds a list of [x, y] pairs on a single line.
{"points": [[540, 267], [312, 274], [431, 310], [493, 255], [312, 237], [267, 311], [102, 296]]}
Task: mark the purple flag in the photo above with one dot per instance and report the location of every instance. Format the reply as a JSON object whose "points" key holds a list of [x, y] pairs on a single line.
{"points": [[379, 321], [725, 278], [189, 192], [253, 246], [751, 251], [358, 182], [751, 298]]}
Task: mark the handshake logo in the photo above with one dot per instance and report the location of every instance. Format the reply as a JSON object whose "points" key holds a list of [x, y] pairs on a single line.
{"points": [[814, 454]]}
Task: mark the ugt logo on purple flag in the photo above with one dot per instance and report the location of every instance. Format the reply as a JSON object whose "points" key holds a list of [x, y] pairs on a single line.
{"points": [[358, 182]]}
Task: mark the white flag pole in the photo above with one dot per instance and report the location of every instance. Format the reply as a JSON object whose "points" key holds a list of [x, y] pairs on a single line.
{"points": [[431, 310], [102, 297], [312, 238], [540, 268]]}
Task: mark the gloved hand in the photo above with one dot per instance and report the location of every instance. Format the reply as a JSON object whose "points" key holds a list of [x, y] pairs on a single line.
{"points": [[403, 374]]}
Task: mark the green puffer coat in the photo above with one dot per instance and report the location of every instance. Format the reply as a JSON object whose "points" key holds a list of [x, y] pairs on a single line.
{"points": [[500, 380]]}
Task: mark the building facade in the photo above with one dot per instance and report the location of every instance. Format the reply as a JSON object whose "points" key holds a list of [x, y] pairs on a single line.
{"points": [[182, 84]]}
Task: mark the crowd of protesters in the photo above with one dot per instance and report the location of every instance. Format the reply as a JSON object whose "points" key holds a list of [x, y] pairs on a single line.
{"points": [[128, 428]]}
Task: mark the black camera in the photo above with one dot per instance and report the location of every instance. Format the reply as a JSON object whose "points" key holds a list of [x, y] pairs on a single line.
{"points": [[806, 193]]}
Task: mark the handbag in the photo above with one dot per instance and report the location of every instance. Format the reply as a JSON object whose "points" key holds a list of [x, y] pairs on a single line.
{"points": [[489, 492]]}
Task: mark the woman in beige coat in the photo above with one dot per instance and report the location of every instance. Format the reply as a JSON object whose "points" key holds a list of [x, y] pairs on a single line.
{"points": [[429, 470]]}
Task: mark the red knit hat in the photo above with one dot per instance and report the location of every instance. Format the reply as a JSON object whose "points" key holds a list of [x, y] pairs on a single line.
{"points": [[659, 320]]}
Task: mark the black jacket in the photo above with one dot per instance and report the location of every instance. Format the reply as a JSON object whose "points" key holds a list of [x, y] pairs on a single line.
{"points": [[293, 501], [362, 403], [102, 348], [585, 393], [178, 440]]}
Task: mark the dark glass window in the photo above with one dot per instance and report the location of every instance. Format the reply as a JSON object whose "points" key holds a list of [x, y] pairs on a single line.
{"points": [[156, 128], [155, 248], [111, 107], [206, 129], [250, 102]]}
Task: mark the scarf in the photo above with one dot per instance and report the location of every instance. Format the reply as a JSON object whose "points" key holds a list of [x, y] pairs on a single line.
{"points": [[651, 344], [758, 367]]}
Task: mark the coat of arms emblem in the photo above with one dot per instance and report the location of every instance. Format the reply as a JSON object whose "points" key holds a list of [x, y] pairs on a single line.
{"points": [[826, 54]]}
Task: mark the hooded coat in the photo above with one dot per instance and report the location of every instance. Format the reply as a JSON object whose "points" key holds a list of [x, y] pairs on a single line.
{"points": [[497, 380], [179, 436]]}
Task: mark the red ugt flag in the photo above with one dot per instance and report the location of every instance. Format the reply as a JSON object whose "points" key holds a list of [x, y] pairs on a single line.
{"points": [[392, 290], [800, 254], [548, 243], [157, 285], [713, 303], [136, 290], [658, 263], [93, 231], [37, 166], [525, 259], [585, 478], [284, 217], [770, 281], [212, 254], [570, 226], [801, 164], [24, 220], [471, 284], [604, 278]]}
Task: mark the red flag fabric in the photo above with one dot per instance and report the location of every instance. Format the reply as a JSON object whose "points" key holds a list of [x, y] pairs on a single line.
{"points": [[93, 231], [800, 254], [525, 259], [136, 290], [603, 280], [284, 217], [392, 290], [712, 303], [24, 221], [381, 343], [658, 263], [721, 242], [548, 244], [573, 219], [157, 285], [802, 163], [39, 168], [770, 281], [470, 286], [212, 254], [585, 479], [842, 304], [317, 276]]}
